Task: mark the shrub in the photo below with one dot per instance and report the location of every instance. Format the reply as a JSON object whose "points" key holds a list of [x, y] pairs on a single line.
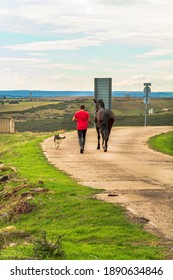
{"points": [[45, 250]]}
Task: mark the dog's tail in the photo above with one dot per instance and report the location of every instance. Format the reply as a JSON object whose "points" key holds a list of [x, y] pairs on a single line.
{"points": [[58, 137]]}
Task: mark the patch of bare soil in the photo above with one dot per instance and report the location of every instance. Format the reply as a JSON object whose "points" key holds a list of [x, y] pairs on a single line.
{"points": [[130, 174], [15, 201]]}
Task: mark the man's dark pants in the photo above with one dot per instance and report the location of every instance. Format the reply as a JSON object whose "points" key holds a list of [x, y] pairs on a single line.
{"points": [[82, 137]]}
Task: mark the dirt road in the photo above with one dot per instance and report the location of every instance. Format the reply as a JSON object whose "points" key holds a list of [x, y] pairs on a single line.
{"points": [[130, 173]]}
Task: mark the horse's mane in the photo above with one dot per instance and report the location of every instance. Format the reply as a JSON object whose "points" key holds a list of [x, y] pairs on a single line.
{"points": [[102, 104]]}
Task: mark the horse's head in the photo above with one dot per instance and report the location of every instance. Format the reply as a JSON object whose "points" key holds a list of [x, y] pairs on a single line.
{"points": [[99, 104]]}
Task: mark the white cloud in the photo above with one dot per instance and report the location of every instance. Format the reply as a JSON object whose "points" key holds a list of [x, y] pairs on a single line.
{"points": [[168, 78], [140, 21], [156, 53], [37, 54], [35, 63], [57, 45], [132, 82], [135, 2], [21, 61]]}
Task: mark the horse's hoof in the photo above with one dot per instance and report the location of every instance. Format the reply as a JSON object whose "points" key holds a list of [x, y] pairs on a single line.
{"points": [[105, 150], [98, 148]]}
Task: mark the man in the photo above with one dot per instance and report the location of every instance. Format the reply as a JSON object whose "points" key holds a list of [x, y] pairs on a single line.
{"points": [[82, 118]]}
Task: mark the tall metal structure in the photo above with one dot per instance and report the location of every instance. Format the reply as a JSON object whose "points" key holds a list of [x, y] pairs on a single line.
{"points": [[103, 90], [146, 100]]}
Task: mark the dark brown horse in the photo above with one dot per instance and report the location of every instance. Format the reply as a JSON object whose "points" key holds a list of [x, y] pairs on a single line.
{"points": [[104, 119]]}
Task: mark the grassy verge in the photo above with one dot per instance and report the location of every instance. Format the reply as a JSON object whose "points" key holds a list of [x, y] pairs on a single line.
{"points": [[38, 198], [162, 143]]}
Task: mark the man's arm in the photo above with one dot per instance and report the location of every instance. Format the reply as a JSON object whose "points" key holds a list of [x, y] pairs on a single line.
{"points": [[74, 119], [89, 118]]}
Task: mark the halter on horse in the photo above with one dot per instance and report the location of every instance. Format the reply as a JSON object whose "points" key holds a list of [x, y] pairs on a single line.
{"points": [[104, 119]]}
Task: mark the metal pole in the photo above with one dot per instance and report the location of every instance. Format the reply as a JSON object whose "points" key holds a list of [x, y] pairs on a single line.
{"points": [[146, 107], [145, 118]]}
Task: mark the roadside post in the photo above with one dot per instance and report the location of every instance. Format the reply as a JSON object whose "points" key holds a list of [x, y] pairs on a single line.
{"points": [[146, 100]]}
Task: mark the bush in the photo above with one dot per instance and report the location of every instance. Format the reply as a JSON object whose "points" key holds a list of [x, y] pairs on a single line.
{"points": [[45, 250]]}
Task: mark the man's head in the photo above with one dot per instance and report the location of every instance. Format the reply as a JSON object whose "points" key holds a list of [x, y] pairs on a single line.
{"points": [[82, 107]]}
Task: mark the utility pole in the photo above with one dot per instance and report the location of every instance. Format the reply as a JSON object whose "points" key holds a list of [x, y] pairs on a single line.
{"points": [[146, 100]]}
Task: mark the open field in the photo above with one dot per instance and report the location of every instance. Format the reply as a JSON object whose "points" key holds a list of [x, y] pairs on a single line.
{"points": [[49, 115], [22, 105]]}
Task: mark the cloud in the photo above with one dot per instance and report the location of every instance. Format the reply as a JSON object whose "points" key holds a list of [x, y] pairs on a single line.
{"points": [[120, 2], [135, 2], [168, 78], [36, 63], [37, 54], [132, 81], [21, 61], [138, 23], [57, 45], [155, 53]]}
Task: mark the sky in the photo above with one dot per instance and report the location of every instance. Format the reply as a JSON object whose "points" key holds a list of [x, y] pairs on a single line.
{"points": [[65, 44]]}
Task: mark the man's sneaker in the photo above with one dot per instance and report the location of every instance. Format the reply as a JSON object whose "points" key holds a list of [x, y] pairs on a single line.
{"points": [[81, 151]]}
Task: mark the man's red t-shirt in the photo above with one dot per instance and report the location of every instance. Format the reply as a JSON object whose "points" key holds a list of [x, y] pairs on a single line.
{"points": [[82, 118]]}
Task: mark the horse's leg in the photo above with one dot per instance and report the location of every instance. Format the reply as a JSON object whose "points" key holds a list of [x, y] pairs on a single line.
{"points": [[106, 140], [105, 131], [105, 137], [98, 137]]}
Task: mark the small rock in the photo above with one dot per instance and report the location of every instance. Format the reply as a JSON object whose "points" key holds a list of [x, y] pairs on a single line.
{"points": [[4, 178], [8, 229], [112, 194], [25, 194], [26, 243], [29, 198], [13, 244]]}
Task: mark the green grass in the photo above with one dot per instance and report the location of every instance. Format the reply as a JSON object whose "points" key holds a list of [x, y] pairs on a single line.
{"points": [[89, 229], [162, 143]]}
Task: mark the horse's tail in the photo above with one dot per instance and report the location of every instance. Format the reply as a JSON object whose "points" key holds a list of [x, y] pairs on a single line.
{"points": [[111, 120], [105, 124], [107, 117]]}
